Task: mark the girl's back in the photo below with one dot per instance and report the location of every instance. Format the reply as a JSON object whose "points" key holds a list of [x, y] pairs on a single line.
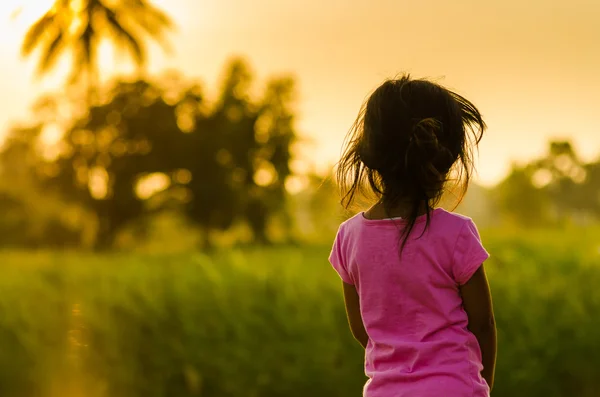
{"points": [[415, 290], [411, 307]]}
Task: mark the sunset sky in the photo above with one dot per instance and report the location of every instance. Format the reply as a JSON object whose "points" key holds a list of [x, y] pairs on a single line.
{"points": [[532, 67]]}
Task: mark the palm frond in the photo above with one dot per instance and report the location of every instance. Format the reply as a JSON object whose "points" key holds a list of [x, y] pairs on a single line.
{"points": [[149, 19], [80, 60], [127, 23], [87, 50], [152, 13], [51, 53], [36, 32], [121, 33]]}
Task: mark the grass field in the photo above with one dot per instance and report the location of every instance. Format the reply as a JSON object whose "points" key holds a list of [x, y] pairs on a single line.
{"points": [[270, 322]]}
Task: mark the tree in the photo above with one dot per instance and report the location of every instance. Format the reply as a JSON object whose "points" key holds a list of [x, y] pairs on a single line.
{"points": [[33, 216], [79, 26], [520, 201], [555, 189], [563, 175], [272, 138], [251, 150], [157, 145], [316, 208], [108, 152]]}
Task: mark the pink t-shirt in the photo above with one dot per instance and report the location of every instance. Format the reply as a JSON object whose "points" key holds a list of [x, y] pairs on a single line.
{"points": [[419, 344]]}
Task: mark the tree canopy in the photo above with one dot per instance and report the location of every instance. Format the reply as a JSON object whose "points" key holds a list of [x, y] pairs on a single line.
{"points": [[160, 144]]}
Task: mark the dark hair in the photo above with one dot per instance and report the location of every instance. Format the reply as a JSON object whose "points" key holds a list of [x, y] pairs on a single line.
{"points": [[409, 138]]}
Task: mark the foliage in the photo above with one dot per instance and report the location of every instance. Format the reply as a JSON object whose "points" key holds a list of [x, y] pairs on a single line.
{"points": [[316, 209], [558, 188], [271, 322], [156, 145], [80, 27], [33, 216]]}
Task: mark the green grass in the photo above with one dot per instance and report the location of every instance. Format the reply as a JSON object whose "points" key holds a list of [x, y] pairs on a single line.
{"points": [[270, 322]]}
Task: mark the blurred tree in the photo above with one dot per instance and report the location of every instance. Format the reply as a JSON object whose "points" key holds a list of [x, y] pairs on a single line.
{"points": [[249, 147], [79, 26], [118, 145], [318, 209], [273, 137], [563, 175], [151, 146], [555, 189], [33, 217], [520, 201], [216, 151], [592, 186]]}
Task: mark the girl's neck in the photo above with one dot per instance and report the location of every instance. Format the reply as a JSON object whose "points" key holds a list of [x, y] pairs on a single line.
{"points": [[402, 210]]}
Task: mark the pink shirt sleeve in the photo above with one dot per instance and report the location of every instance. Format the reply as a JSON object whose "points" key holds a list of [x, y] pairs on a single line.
{"points": [[469, 253], [337, 258]]}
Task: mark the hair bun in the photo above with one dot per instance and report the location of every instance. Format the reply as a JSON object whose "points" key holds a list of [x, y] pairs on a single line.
{"points": [[424, 137], [427, 159]]}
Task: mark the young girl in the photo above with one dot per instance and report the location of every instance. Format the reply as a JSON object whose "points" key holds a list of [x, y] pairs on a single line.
{"points": [[416, 293]]}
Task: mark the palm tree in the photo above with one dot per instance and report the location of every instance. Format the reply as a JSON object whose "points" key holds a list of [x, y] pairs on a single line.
{"points": [[78, 26]]}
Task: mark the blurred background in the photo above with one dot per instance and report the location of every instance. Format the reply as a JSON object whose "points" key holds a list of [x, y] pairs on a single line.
{"points": [[168, 207]]}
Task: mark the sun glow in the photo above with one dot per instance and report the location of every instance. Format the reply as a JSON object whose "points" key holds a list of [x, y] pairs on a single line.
{"points": [[20, 14]]}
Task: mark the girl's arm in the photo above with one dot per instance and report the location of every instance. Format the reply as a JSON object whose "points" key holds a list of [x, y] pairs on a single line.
{"points": [[477, 301], [354, 317]]}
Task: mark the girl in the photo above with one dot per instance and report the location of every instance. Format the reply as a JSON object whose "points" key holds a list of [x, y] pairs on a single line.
{"points": [[416, 293]]}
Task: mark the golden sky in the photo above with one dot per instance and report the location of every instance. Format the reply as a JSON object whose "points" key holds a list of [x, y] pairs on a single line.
{"points": [[532, 67]]}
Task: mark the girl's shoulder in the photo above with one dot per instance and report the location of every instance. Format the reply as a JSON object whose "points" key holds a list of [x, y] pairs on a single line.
{"points": [[352, 221], [453, 218], [452, 224]]}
